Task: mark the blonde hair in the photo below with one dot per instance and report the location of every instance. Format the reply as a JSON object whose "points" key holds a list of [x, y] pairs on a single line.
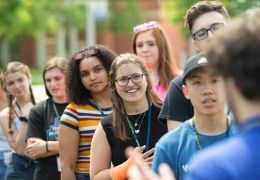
{"points": [[13, 67]]}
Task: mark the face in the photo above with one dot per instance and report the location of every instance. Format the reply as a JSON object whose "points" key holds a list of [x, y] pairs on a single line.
{"points": [[132, 92], [93, 75], [147, 49], [205, 21], [18, 84], [55, 83], [206, 91]]}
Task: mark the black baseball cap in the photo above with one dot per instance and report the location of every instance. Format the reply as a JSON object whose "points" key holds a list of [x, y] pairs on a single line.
{"points": [[194, 62]]}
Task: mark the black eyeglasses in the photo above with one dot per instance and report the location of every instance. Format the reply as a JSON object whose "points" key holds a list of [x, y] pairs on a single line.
{"points": [[85, 53], [203, 33], [124, 80]]}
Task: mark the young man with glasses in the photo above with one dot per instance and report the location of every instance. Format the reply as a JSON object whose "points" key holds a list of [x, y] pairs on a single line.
{"points": [[203, 19]]}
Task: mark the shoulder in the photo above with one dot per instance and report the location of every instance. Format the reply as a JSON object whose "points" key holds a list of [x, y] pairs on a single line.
{"points": [[172, 138], [218, 156], [107, 120], [41, 105], [4, 113], [177, 81]]}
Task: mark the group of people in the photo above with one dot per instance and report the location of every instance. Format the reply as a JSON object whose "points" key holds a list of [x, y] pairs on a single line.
{"points": [[100, 103]]}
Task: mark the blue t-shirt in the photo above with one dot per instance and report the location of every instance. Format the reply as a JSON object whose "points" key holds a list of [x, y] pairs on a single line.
{"points": [[177, 146], [236, 158]]}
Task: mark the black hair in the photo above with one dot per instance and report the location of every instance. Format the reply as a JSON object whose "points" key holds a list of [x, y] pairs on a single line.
{"points": [[76, 91]]}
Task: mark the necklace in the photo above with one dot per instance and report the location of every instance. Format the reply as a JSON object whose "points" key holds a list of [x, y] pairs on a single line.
{"points": [[135, 120], [196, 134], [138, 129]]}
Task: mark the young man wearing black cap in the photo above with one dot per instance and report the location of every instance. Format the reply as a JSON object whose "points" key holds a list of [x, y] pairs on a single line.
{"points": [[205, 89], [202, 20]]}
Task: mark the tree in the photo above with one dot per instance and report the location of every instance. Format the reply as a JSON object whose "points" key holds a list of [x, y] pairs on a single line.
{"points": [[29, 17]]}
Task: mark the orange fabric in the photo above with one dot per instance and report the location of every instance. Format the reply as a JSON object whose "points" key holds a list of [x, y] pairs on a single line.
{"points": [[120, 172]]}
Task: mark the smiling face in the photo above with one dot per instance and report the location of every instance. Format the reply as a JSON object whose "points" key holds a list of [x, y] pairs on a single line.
{"points": [[204, 21], [93, 75], [132, 92], [147, 49], [55, 83], [205, 89], [17, 84]]}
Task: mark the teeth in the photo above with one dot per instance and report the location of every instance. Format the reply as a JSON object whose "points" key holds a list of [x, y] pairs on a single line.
{"points": [[131, 91]]}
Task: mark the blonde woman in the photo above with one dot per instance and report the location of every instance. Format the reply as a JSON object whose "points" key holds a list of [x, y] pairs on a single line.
{"points": [[17, 81]]}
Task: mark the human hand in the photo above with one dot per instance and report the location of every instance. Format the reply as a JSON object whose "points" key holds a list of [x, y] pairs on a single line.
{"points": [[139, 170], [36, 147]]}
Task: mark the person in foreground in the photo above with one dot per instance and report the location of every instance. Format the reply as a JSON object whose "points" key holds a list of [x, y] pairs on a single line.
{"points": [[133, 122], [235, 54], [210, 124]]}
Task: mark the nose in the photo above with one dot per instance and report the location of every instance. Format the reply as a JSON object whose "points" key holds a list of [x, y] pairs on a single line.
{"points": [[130, 82], [210, 34], [92, 76], [208, 89]]}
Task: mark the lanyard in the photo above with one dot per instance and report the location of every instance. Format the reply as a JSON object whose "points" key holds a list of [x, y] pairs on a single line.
{"points": [[148, 133], [97, 106], [250, 123], [55, 109]]}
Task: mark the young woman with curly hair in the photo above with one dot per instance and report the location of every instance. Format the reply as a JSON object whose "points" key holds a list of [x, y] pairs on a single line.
{"points": [[90, 100]]}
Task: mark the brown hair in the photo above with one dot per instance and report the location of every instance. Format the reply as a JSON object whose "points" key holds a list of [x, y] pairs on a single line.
{"points": [[201, 8], [235, 54], [55, 62], [119, 124], [13, 67], [167, 69]]}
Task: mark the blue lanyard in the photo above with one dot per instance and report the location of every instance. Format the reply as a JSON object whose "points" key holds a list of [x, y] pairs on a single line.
{"points": [[55, 109], [148, 133]]}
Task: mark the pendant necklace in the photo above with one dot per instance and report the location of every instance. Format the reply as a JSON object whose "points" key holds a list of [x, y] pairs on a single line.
{"points": [[138, 129]]}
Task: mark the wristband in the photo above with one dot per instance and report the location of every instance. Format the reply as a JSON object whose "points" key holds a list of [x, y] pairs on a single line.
{"points": [[47, 148], [23, 119]]}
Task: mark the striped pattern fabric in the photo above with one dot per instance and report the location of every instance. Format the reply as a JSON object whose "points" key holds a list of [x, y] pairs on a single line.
{"points": [[83, 118]]}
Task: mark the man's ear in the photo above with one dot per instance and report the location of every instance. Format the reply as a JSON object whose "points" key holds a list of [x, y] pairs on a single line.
{"points": [[185, 91]]}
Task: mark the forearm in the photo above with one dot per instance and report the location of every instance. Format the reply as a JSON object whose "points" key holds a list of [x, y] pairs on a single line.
{"points": [[52, 148], [104, 174], [67, 172], [19, 144]]}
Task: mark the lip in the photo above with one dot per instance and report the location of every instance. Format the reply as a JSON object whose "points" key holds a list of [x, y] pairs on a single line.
{"points": [[132, 90], [209, 102], [94, 84]]}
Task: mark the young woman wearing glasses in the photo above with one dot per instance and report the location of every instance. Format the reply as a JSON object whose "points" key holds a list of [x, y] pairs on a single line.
{"points": [[17, 82], [90, 100], [151, 44], [44, 118], [133, 121]]}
